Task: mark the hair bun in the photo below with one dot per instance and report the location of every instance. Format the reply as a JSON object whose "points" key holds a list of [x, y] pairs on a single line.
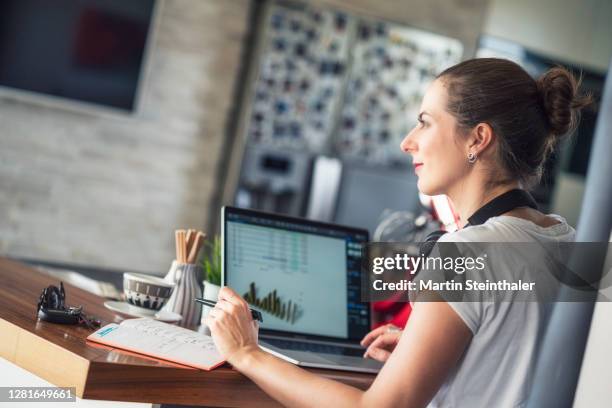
{"points": [[562, 103]]}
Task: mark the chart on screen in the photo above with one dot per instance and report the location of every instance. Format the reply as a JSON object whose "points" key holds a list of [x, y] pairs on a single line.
{"points": [[285, 274]]}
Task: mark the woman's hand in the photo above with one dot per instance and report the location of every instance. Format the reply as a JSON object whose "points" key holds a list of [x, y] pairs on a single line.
{"points": [[381, 341], [232, 327]]}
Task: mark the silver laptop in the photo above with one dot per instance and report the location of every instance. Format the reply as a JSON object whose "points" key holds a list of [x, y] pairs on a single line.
{"points": [[304, 276]]}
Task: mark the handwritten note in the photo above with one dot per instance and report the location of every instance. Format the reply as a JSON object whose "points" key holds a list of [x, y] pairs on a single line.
{"points": [[161, 340]]}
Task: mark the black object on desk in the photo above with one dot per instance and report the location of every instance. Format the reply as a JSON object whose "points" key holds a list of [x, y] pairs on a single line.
{"points": [[52, 308], [255, 313]]}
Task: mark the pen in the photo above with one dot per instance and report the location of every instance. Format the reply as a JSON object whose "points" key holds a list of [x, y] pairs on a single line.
{"points": [[255, 313]]}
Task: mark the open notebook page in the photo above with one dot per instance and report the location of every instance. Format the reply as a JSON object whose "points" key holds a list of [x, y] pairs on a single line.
{"points": [[161, 340]]}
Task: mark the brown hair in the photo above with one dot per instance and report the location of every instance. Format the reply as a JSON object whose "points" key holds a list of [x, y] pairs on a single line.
{"points": [[528, 116]]}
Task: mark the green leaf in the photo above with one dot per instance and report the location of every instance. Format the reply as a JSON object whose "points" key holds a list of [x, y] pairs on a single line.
{"points": [[211, 262]]}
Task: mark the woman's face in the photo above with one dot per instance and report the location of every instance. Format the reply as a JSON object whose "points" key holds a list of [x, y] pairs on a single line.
{"points": [[438, 156]]}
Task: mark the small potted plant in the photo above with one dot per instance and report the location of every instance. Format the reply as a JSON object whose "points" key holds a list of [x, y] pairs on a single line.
{"points": [[211, 264]]}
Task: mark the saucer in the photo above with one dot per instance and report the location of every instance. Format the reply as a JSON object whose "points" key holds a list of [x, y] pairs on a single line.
{"points": [[135, 311]]}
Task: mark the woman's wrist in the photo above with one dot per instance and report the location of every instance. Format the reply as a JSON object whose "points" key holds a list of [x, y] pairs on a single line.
{"points": [[241, 358]]}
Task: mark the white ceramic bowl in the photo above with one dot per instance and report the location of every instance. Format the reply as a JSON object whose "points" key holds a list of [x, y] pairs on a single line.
{"points": [[146, 291]]}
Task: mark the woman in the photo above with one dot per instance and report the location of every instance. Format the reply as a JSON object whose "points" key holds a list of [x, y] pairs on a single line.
{"points": [[485, 127]]}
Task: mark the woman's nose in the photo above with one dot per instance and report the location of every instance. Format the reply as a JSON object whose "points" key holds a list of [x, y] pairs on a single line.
{"points": [[408, 145]]}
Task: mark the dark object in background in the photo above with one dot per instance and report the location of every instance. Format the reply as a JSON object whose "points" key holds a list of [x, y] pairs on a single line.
{"points": [[275, 180], [52, 308], [85, 50]]}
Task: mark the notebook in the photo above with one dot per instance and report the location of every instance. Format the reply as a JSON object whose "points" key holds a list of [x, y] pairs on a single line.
{"points": [[161, 340]]}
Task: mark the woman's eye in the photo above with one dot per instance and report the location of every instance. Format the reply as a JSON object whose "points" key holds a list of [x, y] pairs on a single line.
{"points": [[421, 122]]}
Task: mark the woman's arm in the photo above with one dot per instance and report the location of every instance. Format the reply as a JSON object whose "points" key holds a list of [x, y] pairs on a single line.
{"points": [[431, 344], [291, 385]]}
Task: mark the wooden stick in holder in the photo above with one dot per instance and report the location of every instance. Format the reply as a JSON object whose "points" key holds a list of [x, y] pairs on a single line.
{"points": [[195, 248], [183, 254], [191, 236], [177, 245]]}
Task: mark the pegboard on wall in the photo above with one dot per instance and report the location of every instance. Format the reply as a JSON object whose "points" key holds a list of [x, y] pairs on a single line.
{"points": [[302, 67], [391, 67], [332, 83]]}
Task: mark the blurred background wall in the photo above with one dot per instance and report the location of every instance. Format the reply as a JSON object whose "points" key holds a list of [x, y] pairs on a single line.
{"points": [[573, 31], [86, 187], [108, 190]]}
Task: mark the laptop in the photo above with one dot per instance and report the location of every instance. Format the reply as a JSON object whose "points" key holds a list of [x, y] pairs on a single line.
{"points": [[304, 277]]}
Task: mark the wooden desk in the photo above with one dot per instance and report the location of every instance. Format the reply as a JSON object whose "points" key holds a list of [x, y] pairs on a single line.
{"points": [[60, 355]]}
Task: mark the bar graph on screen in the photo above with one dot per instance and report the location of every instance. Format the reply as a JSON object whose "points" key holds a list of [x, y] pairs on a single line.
{"points": [[288, 311], [292, 277]]}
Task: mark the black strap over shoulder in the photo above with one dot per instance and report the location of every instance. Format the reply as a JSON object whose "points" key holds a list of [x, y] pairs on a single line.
{"points": [[501, 204]]}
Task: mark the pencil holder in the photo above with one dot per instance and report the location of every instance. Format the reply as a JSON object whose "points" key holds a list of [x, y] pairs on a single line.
{"points": [[187, 278]]}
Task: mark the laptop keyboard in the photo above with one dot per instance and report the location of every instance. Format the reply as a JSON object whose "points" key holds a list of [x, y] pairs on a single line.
{"points": [[315, 347]]}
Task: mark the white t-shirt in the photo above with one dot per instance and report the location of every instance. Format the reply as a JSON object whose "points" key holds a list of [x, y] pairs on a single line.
{"points": [[497, 367]]}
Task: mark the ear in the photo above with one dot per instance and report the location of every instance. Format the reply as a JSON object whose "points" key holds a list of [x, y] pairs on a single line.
{"points": [[481, 137]]}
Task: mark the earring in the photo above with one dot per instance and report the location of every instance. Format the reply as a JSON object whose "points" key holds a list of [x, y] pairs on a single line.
{"points": [[472, 158]]}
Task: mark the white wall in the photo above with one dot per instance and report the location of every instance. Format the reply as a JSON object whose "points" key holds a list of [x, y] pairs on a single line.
{"points": [[574, 31]]}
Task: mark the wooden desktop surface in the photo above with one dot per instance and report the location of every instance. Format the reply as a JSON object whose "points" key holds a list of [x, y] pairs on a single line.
{"points": [[59, 354]]}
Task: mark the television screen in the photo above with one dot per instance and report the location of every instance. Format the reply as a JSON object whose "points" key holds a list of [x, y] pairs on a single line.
{"points": [[84, 50]]}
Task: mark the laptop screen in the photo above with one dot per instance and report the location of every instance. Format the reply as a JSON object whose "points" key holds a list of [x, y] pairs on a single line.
{"points": [[302, 275]]}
